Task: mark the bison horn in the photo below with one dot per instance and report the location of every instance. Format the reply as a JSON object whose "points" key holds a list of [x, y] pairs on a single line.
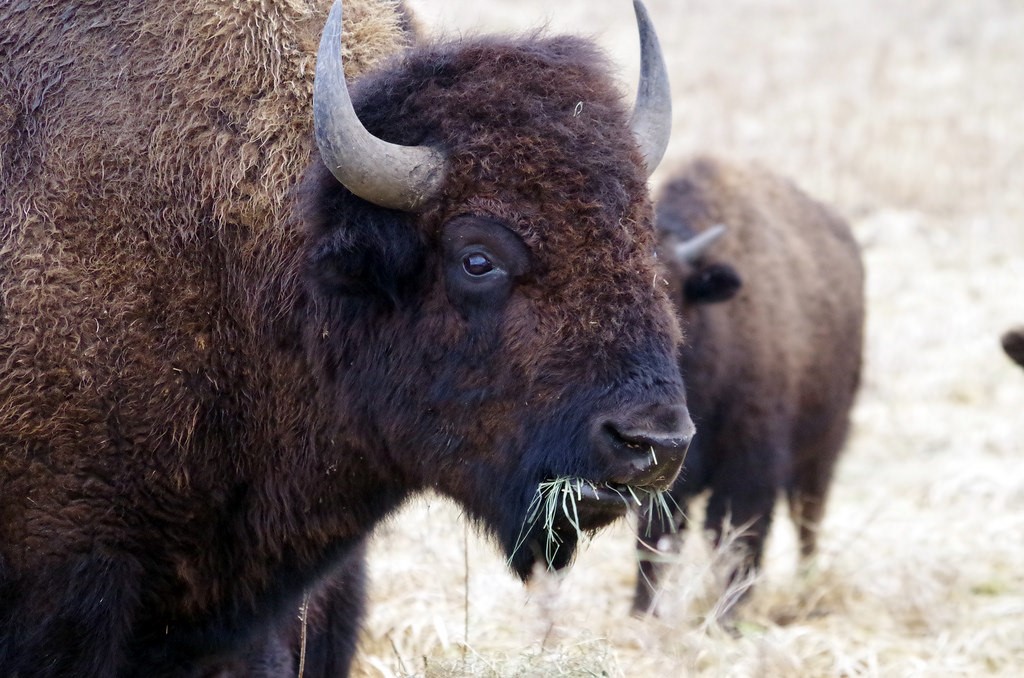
{"points": [[652, 114], [691, 249], [386, 174]]}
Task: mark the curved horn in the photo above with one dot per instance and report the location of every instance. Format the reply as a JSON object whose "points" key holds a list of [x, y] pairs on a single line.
{"points": [[652, 113], [386, 174], [691, 249]]}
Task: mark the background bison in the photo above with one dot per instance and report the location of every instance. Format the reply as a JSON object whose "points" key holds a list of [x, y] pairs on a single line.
{"points": [[1013, 344], [224, 359], [773, 313]]}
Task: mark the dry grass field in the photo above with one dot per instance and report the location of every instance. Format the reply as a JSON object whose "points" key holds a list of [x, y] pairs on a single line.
{"points": [[908, 117]]}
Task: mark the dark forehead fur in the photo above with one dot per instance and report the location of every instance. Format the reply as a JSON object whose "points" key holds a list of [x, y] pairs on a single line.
{"points": [[537, 137], [535, 129]]}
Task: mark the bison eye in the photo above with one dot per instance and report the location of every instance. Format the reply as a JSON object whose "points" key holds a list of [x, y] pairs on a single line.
{"points": [[477, 264], [483, 261]]}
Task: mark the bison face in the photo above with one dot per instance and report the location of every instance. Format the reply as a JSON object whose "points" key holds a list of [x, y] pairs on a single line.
{"points": [[502, 329], [694, 279], [485, 365], [550, 425]]}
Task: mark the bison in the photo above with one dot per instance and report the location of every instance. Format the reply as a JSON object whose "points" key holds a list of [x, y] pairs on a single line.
{"points": [[1013, 344], [773, 314], [227, 352]]}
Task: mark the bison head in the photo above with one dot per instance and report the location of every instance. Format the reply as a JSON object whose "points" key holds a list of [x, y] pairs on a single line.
{"points": [[488, 313], [700, 281]]}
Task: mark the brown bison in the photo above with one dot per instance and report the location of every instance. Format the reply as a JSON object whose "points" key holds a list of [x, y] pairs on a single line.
{"points": [[1013, 344], [773, 314], [224, 356]]}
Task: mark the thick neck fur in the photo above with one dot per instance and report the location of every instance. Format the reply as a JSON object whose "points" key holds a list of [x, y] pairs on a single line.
{"points": [[152, 308]]}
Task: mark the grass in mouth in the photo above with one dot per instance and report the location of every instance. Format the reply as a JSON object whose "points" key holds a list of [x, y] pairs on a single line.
{"points": [[557, 498]]}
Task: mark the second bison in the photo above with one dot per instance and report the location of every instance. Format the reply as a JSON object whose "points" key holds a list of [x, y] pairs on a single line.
{"points": [[774, 317]]}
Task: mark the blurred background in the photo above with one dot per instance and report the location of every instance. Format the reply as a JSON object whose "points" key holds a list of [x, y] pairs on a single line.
{"points": [[908, 118]]}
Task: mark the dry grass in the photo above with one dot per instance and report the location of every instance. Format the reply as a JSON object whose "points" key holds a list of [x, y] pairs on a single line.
{"points": [[909, 117]]}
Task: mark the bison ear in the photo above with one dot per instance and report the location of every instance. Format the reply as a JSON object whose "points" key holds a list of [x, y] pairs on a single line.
{"points": [[711, 284], [377, 255]]}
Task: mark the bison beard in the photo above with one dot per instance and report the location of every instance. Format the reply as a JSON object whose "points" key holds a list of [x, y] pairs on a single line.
{"points": [[774, 313], [220, 367]]}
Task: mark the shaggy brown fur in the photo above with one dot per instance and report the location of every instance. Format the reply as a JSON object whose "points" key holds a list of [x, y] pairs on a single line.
{"points": [[205, 406], [774, 316], [131, 134], [1013, 344]]}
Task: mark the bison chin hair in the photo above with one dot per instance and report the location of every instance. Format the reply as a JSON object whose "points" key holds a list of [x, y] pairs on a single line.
{"points": [[548, 537], [533, 530]]}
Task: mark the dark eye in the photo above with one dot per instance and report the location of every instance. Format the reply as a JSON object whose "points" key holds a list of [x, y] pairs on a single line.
{"points": [[477, 264]]}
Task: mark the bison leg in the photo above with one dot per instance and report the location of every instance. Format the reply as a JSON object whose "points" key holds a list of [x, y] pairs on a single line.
{"points": [[72, 620], [333, 617], [807, 506], [658, 539], [265, 657], [743, 492], [319, 636], [808, 489]]}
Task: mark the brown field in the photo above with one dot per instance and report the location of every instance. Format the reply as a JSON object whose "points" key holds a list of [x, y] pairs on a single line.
{"points": [[909, 117]]}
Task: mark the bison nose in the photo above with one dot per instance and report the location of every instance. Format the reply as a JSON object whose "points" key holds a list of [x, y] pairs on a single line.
{"points": [[645, 448]]}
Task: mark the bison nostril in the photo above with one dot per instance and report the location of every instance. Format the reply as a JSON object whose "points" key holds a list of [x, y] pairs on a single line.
{"points": [[642, 452], [645, 443], [622, 440]]}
